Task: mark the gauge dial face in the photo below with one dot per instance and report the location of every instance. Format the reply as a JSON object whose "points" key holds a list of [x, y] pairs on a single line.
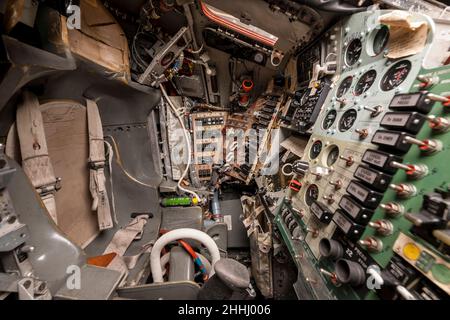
{"points": [[344, 86], [348, 120], [395, 75], [333, 156], [305, 97], [329, 119], [380, 40], [312, 194], [353, 52], [365, 82], [316, 148]]}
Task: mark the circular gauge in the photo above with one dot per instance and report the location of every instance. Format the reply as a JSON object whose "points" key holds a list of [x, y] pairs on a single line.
{"points": [[333, 156], [365, 82], [312, 194], [344, 86], [395, 75], [380, 40], [305, 97], [315, 149], [348, 120], [353, 52], [329, 119], [258, 57]]}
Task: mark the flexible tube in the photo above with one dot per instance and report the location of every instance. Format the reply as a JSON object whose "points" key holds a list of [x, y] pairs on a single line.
{"points": [[184, 233], [188, 143]]}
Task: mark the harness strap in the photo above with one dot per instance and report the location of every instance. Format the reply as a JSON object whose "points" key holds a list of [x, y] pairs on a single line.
{"points": [[97, 161], [33, 146], [120, 242]]}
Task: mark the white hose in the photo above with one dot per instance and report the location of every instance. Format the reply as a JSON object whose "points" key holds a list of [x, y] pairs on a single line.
{"points": [[177, 234], [188, 143]]}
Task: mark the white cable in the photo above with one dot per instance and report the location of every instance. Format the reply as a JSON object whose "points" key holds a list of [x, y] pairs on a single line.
{"points": [[177, 234], [188, 143], [405, 293], [198, 50], [110, 158]]}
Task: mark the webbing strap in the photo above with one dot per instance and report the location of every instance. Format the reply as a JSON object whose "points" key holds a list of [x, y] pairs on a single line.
{"points": [[33, 146], [123, 237], [122, 240], [97, 183]]}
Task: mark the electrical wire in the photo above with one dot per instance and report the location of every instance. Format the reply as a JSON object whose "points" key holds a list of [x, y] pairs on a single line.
{"points": [[121, 166], [197, 51], [188, 143], [186, 246]]}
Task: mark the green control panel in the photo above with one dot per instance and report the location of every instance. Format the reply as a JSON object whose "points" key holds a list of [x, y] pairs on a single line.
{"points": [[371, 220]]}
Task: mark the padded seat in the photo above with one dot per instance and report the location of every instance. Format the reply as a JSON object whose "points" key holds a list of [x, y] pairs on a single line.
{"points": [[66, 131]]}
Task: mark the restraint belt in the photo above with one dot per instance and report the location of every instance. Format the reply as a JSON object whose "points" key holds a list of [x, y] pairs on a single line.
{"points": [[97, 160], [33, 146], [122, 240]]}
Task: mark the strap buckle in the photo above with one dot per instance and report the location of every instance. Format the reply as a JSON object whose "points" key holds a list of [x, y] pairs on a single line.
{"points": [[96, 165], [49, 188]]}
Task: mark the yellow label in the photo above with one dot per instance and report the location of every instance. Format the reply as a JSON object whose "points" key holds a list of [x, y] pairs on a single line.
{"points": [[411, 251]]}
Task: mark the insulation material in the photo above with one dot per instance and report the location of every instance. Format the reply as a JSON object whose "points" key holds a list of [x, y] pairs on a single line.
{"points": [[406, 37], [260, 237], [68, 146], [101, 39], [176, 141]]}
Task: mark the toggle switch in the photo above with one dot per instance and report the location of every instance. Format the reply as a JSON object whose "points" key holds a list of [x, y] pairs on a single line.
{"points": [[404, 190], [349, 161], [318, 175], [337, 184], [363, 133], [314, 232], [382, 227], [329, 199], [415, 171], [426, 81], [372, 244], [445, 100], [331, 275], [374, 111], [299, 212], [393, 209], [428, 146], [342, 102], [438, 124]]}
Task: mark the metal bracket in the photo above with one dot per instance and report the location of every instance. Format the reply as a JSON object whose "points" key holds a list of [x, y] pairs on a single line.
{"points": [[154, 74]]}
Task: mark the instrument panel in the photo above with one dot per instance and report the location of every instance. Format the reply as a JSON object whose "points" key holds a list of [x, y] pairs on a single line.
{"points": [[355, 207]]}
